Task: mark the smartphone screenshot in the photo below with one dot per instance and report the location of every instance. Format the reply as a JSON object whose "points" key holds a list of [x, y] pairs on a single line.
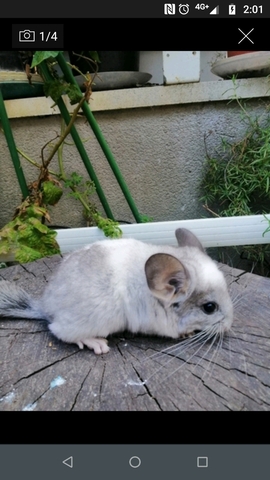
{"points": [[134, 240]]}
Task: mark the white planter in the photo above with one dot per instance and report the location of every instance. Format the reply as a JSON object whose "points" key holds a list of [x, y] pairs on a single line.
{"points": [[181, 67], [212, 232], [173, 67]]}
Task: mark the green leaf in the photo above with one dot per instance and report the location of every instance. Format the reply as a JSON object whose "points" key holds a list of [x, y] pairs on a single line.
{"points": [[24, 254], [58, 87], [40, 56], [94, 55], [109, 227], [74, 181], [74, 94], [267, 184], [29, 239], [51, 193], [75, 195], [146, 219], [55, 89], [4, 247], [38, 225], [35, 211]]}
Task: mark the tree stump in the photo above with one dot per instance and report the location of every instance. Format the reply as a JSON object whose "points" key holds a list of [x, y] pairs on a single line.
{"points": [[140, 373]]}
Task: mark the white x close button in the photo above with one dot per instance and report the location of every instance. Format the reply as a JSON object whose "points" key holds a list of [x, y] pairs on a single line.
{"points": [[246, 36]]}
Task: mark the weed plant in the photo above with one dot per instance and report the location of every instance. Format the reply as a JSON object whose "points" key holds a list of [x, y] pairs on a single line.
{"points": [[237, 180]]}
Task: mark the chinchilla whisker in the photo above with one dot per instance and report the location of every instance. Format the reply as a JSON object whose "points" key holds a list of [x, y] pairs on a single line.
{"points": [[241, 353], [234, 299], [213, 339], [215, 334], [183, 364], [239, 298], [180, 347], [205, 334], [199, 339], [184, 343], [167, 363], [219, 337]]}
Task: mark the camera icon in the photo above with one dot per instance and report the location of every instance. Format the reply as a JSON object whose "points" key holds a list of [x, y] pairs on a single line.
{"points": [[27, 35]]}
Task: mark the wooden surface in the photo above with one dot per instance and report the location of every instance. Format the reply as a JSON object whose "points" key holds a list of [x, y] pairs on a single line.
{"points": [[38, 372]]}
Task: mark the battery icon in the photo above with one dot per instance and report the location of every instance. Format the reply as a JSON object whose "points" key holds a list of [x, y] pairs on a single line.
{"points": [[232, 9]]}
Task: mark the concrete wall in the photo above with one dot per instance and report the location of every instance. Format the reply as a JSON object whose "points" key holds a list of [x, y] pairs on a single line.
{"points": [[160, 151]]}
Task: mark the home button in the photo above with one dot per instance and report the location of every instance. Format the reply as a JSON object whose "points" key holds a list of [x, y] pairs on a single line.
{"points": [[135, 462]]}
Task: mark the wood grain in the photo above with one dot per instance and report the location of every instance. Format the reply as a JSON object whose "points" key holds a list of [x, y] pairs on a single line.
{"points": [[38, 372]]}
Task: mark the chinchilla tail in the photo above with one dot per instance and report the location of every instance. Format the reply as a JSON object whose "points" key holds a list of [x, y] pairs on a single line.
{"points": [[16, 302]]}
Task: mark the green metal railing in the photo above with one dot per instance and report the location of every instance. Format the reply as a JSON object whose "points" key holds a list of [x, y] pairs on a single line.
{"points": [[99, 136], [12, 147], [77, 140]]}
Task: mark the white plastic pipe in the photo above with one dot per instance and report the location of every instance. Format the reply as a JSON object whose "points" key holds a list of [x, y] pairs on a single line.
{"points": [[212, 232]]}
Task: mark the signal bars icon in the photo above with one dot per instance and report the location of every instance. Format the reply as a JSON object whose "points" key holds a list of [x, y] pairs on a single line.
{"points": [[215, 11]]}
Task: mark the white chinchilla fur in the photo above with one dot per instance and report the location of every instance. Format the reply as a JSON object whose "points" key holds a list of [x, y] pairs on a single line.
{"points": [[125, 284]]}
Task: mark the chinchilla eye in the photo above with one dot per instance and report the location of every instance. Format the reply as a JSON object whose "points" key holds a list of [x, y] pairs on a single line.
{"points": [[209, 308]]}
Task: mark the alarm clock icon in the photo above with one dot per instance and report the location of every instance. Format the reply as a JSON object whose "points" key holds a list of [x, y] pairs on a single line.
{"points": [[183, 8]]}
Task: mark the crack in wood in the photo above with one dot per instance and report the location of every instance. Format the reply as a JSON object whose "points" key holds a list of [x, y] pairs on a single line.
{"points": [[80, 389], [147, 390], [45, 367], [236, 278], [102, 380], [224, 401], [249, 396], [23, 266]]}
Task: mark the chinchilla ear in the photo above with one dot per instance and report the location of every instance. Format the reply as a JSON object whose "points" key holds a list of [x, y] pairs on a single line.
{"points": [[186, 238], [166, 276]]}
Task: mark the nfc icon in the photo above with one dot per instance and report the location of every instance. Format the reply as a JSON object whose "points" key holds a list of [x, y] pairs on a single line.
{"points": [[169, 8]]}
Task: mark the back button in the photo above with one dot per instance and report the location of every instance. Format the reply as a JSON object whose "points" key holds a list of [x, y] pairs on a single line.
{"points": [[68, 462]]}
